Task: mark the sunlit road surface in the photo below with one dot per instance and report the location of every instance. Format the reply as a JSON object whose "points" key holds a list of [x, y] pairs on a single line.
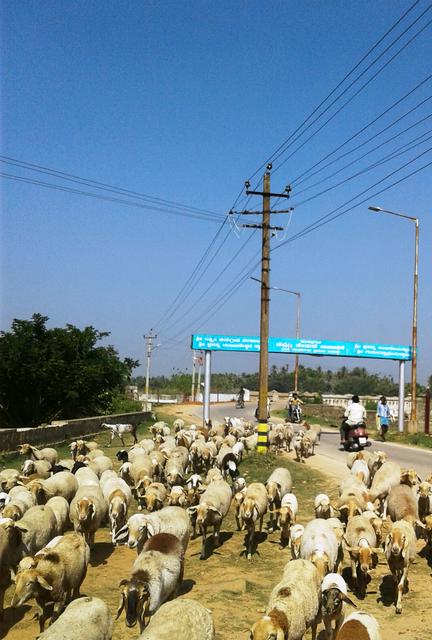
{"points": [[405, 455]]}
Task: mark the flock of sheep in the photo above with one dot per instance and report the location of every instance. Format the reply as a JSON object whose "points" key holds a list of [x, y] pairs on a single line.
{"points": [[185, 480]]}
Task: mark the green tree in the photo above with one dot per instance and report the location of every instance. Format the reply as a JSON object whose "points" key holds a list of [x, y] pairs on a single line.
{"points": [[48, 374]]}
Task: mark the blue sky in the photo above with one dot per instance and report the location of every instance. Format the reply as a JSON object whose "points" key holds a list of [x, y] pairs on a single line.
{"points": [[184, 101]]}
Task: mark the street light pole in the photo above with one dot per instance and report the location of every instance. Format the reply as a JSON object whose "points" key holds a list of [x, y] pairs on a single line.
{"points": [[413, 415]]}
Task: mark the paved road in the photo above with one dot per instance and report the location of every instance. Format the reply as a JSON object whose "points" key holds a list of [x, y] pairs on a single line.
{"points": [[405, 455]]}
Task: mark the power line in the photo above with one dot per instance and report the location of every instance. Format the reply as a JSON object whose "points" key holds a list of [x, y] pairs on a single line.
{"points": [[283, 144], [128, 203], [365, 127], [70, 177], [387, 158], [391, 139], [384, 66]]}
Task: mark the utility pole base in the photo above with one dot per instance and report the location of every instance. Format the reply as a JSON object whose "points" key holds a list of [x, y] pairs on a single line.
{"points": [[262, 446], [412, 426]]}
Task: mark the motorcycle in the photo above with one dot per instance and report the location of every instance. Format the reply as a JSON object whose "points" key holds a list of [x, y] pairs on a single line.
{"points": [[295, 414], [240, 404], [356, 438]]}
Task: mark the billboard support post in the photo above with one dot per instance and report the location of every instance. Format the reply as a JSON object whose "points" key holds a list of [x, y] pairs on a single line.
{"points": [[207, 377], [401, 395]]}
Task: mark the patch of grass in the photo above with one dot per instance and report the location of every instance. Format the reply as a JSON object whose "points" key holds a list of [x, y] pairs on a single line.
{"points": [[416, 439], [311, 417]]}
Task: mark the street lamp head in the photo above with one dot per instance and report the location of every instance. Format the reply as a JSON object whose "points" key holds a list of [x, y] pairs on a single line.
{"points": [[376, 209]]}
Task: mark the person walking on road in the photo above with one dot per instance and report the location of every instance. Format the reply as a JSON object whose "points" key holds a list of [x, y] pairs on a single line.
{"points": [[384, 415]]}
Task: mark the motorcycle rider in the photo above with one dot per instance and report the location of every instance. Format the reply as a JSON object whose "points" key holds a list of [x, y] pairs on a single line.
{"points": [[355, 415], [294, 401]]}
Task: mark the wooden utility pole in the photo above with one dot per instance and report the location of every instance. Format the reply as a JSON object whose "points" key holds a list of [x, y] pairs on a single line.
{"points": [[266, 194]]}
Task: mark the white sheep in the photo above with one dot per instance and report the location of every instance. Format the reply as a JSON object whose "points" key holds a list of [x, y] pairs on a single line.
{"points": [[361, 541], [293, 606], [323, 507], [63, 484], [287, 516], [41, 467], [140, 527], [387, 476], [95, 621], [320, 545], [86, 477], [334, 596], [181, 619], [156, 576], [296, 535], [361, 471], [20, 499], [56, 576], [213, 506], [88, 511], [38, 526], [359, 625], [60, 508], [400, 551], [253, 509], [278, 484], [48, 453]]}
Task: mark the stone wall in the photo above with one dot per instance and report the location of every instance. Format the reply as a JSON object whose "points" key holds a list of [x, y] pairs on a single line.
{"points": [[63, 430]]}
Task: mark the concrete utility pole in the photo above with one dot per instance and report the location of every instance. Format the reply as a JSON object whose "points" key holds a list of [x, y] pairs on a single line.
{"points": [[150, 337], [265, 299]]}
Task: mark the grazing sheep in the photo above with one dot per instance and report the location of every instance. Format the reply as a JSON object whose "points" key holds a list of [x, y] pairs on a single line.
{"points": [[213, 506], [359, 626], [296, 535], [250, 442], [157, 574], [334, 596], [180, 619], [178, 424], [140, 527], [400, 551], [57, 575], [60, 508], [278, 484], [88, 511], [253, 508], [95, 621], [361, 541], [320, 545], [323, 508], [48, 453], [293, 606]]}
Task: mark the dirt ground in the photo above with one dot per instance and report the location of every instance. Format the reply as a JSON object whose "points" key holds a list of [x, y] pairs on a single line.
{"points": [[236, 590]]}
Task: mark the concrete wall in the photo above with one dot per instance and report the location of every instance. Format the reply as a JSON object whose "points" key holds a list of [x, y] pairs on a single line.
{"points": [[63, 430]]}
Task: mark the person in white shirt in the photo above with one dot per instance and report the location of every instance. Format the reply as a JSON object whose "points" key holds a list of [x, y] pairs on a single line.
{"points": [[354, 414]]}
